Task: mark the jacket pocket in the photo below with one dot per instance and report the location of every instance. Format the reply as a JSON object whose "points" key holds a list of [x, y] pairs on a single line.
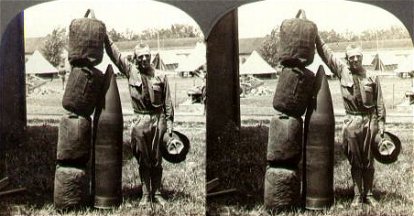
{"points": [[135, 88], [347, 91], [157, 102]]}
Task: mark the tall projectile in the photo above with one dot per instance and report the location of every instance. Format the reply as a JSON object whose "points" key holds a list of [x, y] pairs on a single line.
{"points": [[319, 147], [108, 128]]}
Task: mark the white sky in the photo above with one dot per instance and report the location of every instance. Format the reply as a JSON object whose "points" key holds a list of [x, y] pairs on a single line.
{"points": [[255, 19], [327, 14]]}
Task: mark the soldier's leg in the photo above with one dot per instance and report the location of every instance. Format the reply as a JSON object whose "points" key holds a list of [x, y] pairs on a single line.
{"points": [[156, 175], [356, 174], [369, 170], [139, 141], [368, 178], [353, 153], [156, 179], [144, 173]]}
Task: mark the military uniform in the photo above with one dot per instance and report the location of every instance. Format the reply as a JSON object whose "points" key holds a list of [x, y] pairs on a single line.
{"points": [[154, 115], [365, 115]]}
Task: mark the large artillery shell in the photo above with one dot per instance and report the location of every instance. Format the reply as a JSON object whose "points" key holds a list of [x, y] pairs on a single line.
{"points": [[108, 127], [284, 147], [71, 187], [74, 142], [319, 147], [281, 188]]}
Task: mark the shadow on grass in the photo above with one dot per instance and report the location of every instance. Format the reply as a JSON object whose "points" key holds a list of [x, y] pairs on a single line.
{"points": [[380, 195], [132, 193], [343, 194], [171, 194], [242, 166], [31, 163], [347, 194], [135, 193]]}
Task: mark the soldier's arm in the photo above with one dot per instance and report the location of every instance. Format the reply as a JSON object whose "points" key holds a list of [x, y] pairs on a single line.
{"points": [[116, 57], [380, 105], [326, 54], [168, 105]]}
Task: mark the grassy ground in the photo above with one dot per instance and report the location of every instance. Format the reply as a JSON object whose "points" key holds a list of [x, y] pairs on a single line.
{"points": [[50, 99], [238, 165], [394, 90], [31, 164], [242, 166]]}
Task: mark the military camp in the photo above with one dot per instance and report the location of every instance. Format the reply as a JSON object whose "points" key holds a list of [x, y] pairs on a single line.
{"points": [[206, 107]]}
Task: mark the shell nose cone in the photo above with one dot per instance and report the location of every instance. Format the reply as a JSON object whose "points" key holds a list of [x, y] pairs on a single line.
{"points": [[323, 102], [112, 102]]}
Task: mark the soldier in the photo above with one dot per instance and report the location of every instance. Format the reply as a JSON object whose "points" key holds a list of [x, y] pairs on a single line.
{"points": [[365, 116], [154, 115]]}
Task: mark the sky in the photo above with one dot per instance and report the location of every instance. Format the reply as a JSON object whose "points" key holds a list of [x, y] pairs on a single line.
{"points": [[255, 19]]}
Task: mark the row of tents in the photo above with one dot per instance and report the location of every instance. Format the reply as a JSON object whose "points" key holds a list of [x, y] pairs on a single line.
{"points": [[256, 65], [196, 58]]}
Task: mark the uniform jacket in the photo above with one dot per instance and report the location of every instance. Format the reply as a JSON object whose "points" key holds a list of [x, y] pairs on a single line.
{"points": [[140, 85], [352, 84]]}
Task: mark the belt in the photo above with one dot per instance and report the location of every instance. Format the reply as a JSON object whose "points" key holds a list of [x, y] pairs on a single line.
{"points": [[358, 113], [147, 112]]}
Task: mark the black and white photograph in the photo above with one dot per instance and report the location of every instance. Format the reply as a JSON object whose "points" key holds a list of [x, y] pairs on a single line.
{"points": [[209, 107]]}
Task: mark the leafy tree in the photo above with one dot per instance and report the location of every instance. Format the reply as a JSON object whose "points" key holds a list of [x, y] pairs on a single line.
{"points": [[268, 49], [393, 32], [174, 31], [53, 46], [331, 36], [128, 34], [115, 36]]}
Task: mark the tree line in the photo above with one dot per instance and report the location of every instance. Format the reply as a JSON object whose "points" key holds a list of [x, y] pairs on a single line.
{"points": [[55, 42], [391, 33], [174, 31], [268, 49]]}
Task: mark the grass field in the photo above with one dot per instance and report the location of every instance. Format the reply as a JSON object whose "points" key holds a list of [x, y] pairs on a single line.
{"points": [[31, 164], [239, 165], [242, 166], [394, 90]]}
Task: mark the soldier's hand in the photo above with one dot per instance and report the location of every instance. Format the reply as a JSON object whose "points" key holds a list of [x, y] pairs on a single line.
{"points": [[170, 132], [381, 126]]}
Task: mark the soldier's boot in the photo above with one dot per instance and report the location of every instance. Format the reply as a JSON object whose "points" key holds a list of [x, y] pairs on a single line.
{"points": [[156, 177], [144, 174], [357, 181], [368, 179]]}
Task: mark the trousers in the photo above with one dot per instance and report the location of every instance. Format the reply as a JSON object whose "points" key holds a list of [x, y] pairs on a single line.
{"points": [[359, 133], [146, 136]]}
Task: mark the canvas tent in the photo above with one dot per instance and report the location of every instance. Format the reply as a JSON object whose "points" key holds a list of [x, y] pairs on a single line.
{"points": [[159, 65], [195, 60], [384, 62], [101, 66], [104, 64], [256, 65], [315, 66], [38, 65], [367, 60], [405, 66], [169, 60]]}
